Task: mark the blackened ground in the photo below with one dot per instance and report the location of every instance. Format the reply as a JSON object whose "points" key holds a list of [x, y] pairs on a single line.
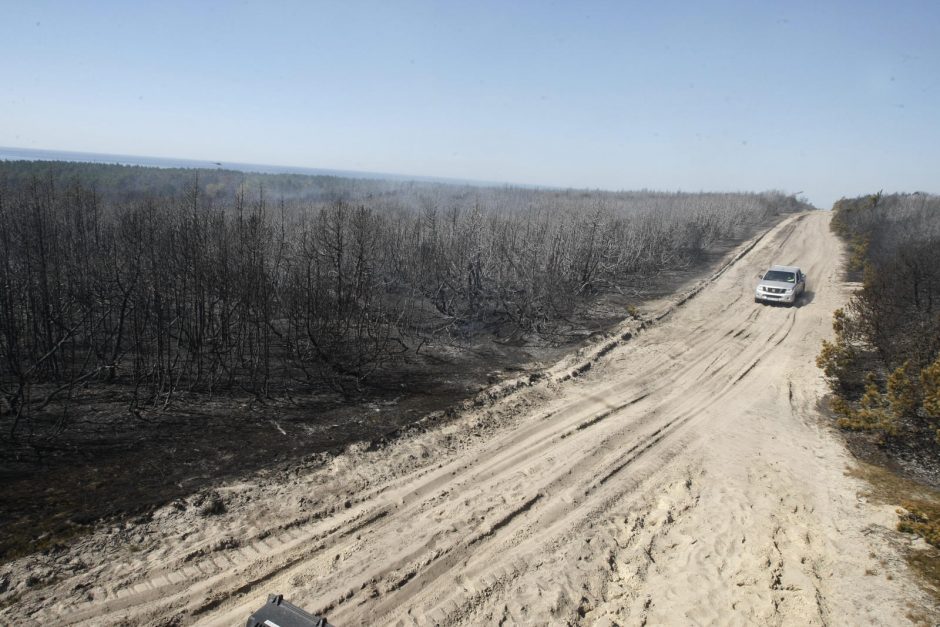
{"points": [[120, 466], [914, 459]]}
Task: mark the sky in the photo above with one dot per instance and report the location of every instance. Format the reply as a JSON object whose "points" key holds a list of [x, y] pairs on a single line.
{"points": [[825, 99]]}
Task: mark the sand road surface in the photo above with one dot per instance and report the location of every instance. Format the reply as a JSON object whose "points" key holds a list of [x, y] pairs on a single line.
{"points": [[677, 472]]}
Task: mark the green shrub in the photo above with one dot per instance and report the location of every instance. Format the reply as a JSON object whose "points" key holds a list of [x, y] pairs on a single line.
{"points": [[873, 413], [838, 359], [930, 387], [903, 391]]}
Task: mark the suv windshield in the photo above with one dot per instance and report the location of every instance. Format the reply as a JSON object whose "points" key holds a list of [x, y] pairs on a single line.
{"points": [[779, 275]]}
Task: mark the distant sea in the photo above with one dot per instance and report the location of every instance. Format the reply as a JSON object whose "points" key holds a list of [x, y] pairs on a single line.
{"points": [[30, 154]]}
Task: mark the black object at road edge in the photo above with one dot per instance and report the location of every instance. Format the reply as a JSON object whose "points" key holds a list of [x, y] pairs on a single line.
{"points": [[280, 613]]}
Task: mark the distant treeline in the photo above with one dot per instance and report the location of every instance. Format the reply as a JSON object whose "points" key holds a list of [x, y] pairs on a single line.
{"points": [[130, 182], [884, 364], [220, 282]]}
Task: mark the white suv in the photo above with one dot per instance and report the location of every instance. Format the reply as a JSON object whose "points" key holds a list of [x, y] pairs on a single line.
{"points": [[780, 284]]}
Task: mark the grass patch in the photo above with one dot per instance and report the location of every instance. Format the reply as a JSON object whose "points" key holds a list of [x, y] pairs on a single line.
{"points": [[920, 516], [922, 519]]}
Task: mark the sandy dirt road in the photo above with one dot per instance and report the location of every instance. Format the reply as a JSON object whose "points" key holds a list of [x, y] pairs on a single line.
{"points": [[684, 478]]}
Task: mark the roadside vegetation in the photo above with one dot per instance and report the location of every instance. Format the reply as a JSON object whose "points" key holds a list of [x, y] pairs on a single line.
{"points": [[883, 366]]}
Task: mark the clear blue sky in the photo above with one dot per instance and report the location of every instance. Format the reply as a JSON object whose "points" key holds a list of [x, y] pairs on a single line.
{"points": [[827, 98]]}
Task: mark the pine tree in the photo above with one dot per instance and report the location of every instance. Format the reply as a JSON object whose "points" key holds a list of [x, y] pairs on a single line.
{"points": [[930, 385], [903, 393]]}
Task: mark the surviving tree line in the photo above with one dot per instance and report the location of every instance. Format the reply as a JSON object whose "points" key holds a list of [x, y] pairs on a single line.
{"points": [[222, 283], [884, 364]]}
